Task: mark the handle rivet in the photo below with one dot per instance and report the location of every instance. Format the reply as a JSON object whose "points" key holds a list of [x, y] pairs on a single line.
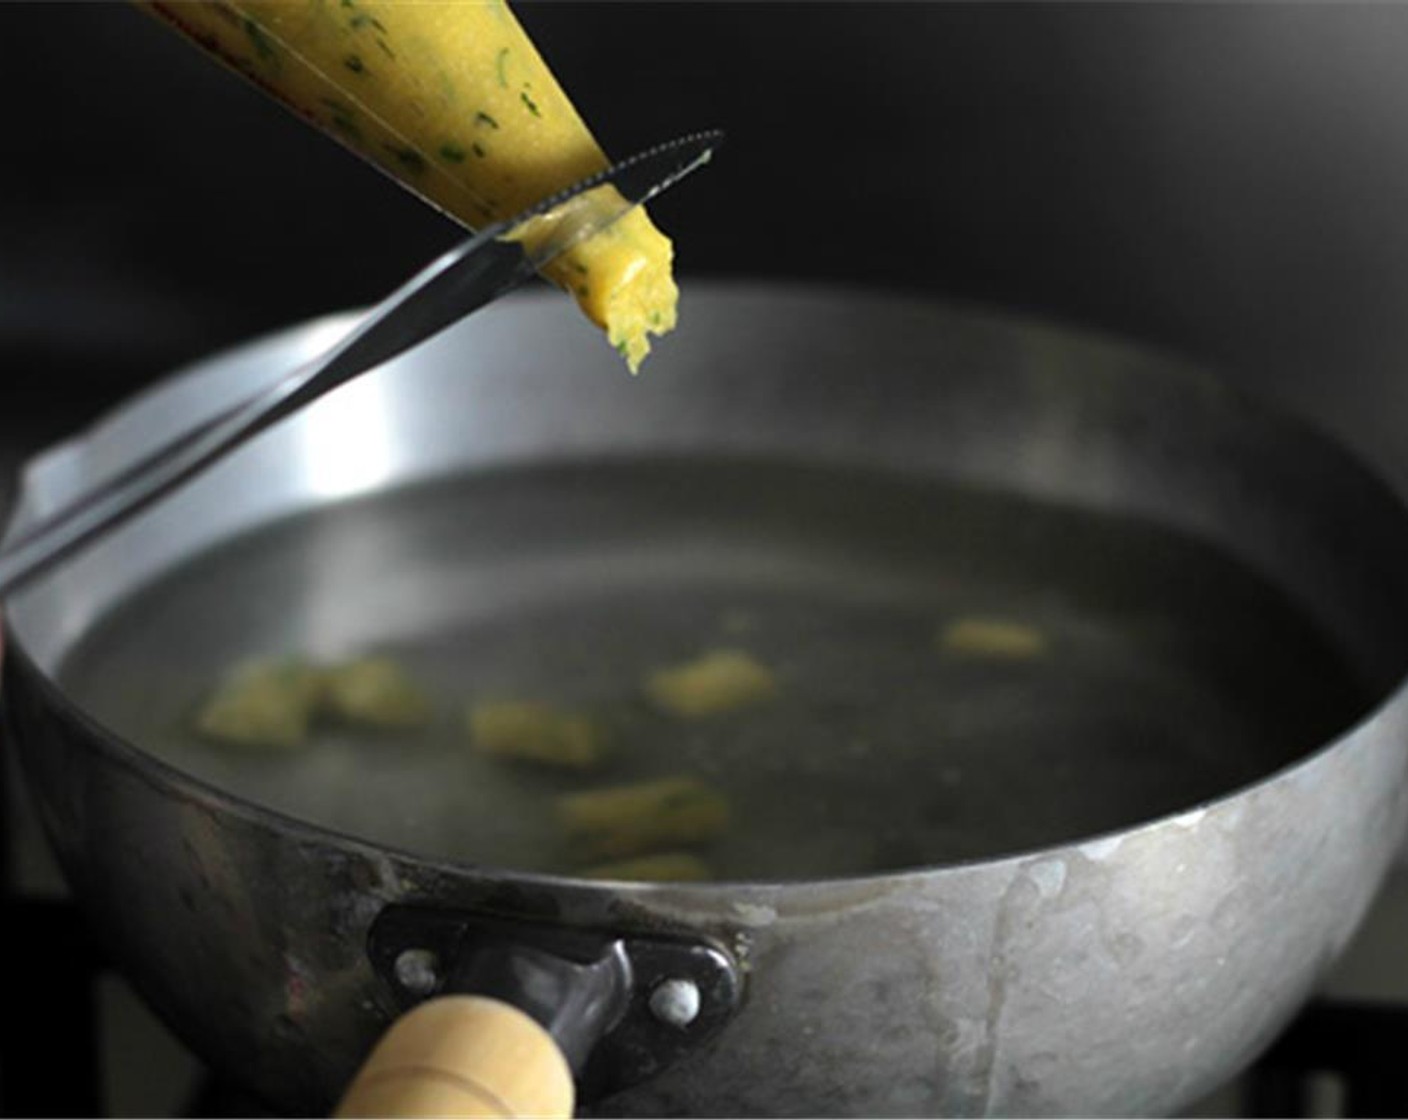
{"points": [[418, 971], [675, 1002]]}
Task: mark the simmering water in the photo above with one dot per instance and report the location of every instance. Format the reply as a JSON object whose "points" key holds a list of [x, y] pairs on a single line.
{"points": [[1172, 674]]}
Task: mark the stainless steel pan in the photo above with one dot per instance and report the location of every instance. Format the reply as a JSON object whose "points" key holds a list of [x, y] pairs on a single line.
{"points": [[1093, 882]]}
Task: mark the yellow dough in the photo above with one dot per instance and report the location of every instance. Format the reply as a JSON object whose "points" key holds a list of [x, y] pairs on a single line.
{"points": [[992, 639], [374, 692], [534, 732], [646, 817], [720, 681], [267, 704], [451, 98]]}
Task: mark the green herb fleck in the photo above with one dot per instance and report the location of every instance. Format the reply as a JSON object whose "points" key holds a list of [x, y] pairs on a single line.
{"points": [[580, 267], [482, 117], [354, 63], [531, 104], [262, 47], [583, 290], [623, 347], [452, 152], [478, 149], [347, 126], [654, 318], [408, 158], [361, 19], [501, 65]]}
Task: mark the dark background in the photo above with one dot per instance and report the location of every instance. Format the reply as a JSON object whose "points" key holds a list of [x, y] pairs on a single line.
{"points": [[1226, 181]]}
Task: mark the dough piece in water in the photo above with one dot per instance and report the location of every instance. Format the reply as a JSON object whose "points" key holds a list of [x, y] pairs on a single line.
{"points": [[376, 693], [719, 681], [993, 639], [630, 820], [534, 732], [264, 704]]}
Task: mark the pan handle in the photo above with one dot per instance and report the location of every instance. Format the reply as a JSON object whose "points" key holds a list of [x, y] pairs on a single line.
{"points": [[463, 1056], [505, 1017]]}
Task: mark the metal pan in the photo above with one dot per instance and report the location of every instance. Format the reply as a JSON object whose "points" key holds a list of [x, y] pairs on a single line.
{"points": [[1092, 881]]}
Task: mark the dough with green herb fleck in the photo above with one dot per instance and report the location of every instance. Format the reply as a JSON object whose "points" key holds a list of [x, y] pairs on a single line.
{"points": [[375, 693], [534, 732], [722, 680], [992, 639], [263, 704], [455, 102], [620, 821]]}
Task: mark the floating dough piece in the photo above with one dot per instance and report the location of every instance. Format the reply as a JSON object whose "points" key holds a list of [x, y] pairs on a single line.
{"points": [[631, 820], [375, 692], [535, 732], [719, 681], [263, 704], [666, 867], [993, 638]]}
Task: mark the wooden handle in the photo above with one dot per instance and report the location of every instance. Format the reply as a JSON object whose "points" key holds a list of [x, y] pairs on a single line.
{"points": [[462, 1056]]}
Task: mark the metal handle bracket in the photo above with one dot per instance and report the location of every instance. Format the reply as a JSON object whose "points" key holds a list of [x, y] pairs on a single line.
{"points": [[622, 1008]]}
